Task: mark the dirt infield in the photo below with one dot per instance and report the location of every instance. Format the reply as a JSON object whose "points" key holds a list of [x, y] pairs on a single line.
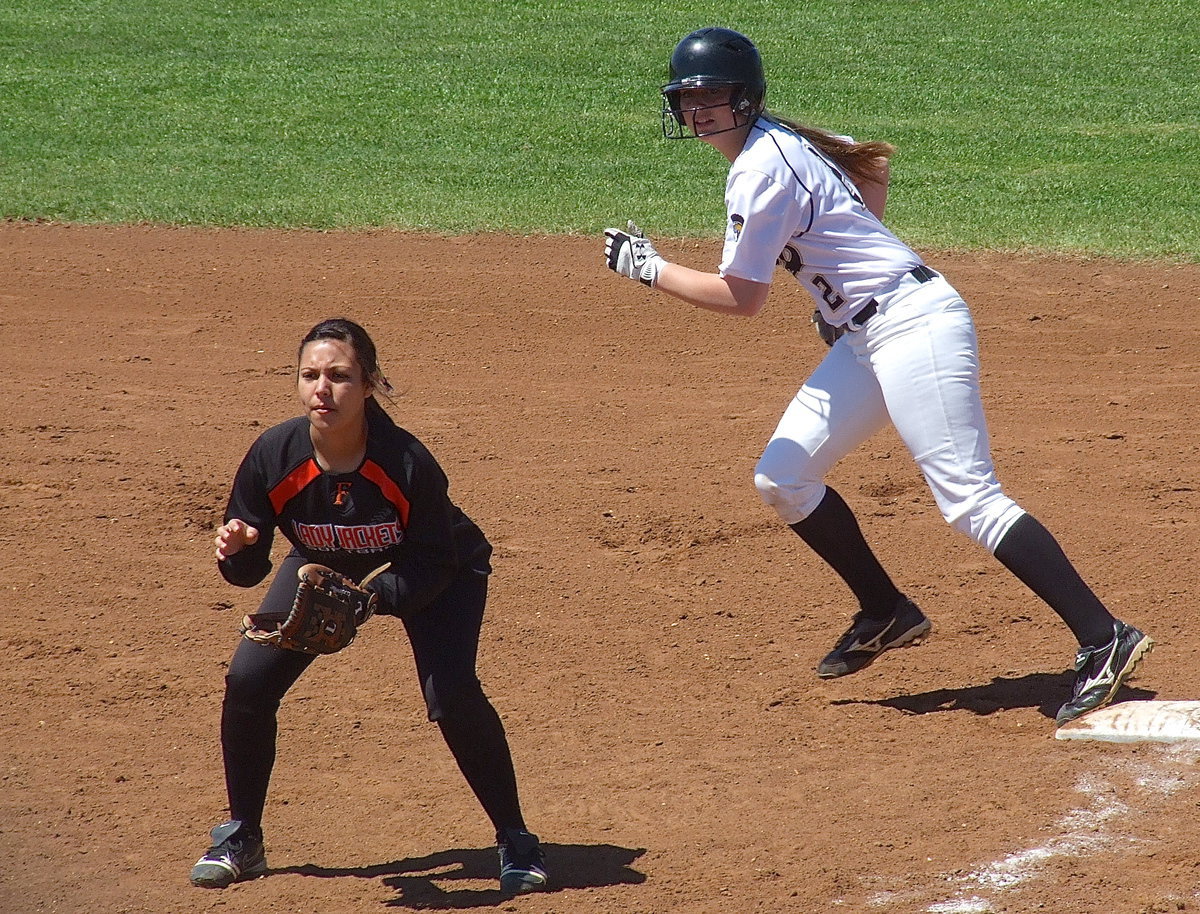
{"points": [[653, 628]]}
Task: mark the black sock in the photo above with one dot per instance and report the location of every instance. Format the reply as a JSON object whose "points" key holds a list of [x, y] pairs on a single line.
{"points": [[1032, 553], [834, 535]]}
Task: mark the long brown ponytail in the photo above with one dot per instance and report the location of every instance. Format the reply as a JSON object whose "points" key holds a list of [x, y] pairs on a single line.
{"points": [[859, 160]]}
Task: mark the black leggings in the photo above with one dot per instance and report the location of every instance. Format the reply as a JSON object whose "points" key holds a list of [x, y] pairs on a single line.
{"points": [[445, 642]]}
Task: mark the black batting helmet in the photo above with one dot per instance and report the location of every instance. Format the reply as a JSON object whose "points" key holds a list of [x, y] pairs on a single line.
{"points": [[714, 58]]}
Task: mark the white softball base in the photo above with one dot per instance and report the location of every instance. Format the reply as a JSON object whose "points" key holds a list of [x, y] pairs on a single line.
{"points": [[1137, 721]]}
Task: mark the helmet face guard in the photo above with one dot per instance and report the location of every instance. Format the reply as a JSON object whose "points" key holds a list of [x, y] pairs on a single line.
{"points": [[674, 115], [714, 58]]}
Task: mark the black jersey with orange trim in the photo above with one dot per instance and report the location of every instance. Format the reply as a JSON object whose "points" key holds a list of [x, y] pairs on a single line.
{"points": [[394, 508]]}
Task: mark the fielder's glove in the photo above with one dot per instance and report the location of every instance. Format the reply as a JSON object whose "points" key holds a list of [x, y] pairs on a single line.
{"points": [[631, 254], [325, 616]]}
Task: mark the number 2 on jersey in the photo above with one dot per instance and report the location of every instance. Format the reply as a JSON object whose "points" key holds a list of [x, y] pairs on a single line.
{"points": [[831, 298]]}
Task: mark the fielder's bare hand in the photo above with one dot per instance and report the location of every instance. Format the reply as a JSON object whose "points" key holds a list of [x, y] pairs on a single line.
{"points": [[234, 536]]}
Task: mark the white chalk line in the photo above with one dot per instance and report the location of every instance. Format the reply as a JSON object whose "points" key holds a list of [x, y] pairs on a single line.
{"points": [[1122, 786]]}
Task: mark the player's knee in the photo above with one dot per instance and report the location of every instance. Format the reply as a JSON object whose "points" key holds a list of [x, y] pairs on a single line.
{"points": [[768, 490], [786, 488], [242, 688], [986, 523], [244, 715], [461, 702], [245, 699], [791, 501]]}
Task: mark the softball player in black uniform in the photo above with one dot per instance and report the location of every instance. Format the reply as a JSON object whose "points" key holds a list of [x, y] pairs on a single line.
{"points": [[905, 353], [351, 490]]}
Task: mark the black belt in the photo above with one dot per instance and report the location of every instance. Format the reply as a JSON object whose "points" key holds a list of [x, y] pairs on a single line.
{"points": [[920, 272]]}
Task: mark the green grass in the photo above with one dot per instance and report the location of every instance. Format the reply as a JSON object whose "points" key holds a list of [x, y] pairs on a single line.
{"points": [[1058, 125]]}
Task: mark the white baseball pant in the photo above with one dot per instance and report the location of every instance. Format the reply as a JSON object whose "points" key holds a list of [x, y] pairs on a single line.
{"points": [[914, 363]]}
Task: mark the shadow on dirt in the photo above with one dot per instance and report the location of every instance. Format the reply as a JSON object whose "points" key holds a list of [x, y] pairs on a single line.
{"points": [[1044, 691], [422, 882]]}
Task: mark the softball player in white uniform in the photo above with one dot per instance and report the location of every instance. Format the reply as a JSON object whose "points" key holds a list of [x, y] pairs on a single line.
{"points": [[903, 351]]}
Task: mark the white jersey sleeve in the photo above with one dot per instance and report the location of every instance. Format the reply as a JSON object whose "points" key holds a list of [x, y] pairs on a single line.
{"points": [[789, 204], [763, 215]]}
